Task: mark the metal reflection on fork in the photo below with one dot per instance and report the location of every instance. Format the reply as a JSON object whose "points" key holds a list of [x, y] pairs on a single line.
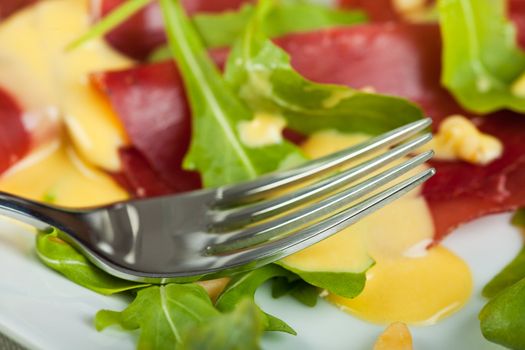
{"points": [[214, 232]]}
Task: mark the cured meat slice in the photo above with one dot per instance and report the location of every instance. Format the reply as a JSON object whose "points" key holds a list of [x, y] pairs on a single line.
{"points": [[14, 139], [137, 176], [151, 103], [448, 213], [516, 12], [9, 7]]}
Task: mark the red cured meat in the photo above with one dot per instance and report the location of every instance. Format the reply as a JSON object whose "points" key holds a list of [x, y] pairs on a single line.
{"points": [[137, 176], [142, 33], [8, 7], [516, 11], [14, 140], [151, 103], [448, 213]]}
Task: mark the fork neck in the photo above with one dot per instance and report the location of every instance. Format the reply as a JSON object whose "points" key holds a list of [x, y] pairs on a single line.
{"points": [[30, 212]]}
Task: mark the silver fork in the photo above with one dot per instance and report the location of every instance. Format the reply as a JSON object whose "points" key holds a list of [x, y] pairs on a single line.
{"points": [[213, 232]]}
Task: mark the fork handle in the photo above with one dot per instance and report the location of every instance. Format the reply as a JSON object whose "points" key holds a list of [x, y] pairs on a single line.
{"points": [[36, 214]]}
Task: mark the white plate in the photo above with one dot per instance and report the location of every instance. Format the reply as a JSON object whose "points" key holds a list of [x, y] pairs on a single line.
{"points": [[42, 310]]}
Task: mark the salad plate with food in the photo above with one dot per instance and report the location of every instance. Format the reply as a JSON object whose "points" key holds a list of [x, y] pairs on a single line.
{"points": [[104, 101]]}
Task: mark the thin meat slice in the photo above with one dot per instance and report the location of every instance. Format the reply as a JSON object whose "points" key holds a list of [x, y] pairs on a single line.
{"points": [[449, 213], [14, 139], [137, 176], [9, 7], [142, 33], [516, 12], [151, 103]]}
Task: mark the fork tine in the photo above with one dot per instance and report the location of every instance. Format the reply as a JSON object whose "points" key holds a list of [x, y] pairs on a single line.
{"points": [[253, 190], [295, 220], [277, 249], [239, 217]]}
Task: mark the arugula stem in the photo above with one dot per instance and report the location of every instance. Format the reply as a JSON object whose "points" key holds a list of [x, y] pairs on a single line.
{"points": [[202, 77], [106, 24]]}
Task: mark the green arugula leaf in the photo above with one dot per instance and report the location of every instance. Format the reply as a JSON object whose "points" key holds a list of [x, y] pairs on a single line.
{"points": [[238, 330], [61, 257], [511, 274], [223, 29], [514, 271], [261, 74], [219, 30], [244, 286], [298, 289], [481, 58], [301, 16], [519, 218], [345, 284], [164, 314], [281, 286], [305, 293], [216, 150], [502, 319]]}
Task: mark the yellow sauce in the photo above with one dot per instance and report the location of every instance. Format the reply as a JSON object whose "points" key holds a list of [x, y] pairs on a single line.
{"points": [[408, 283], [39, 72], [56, 174]]}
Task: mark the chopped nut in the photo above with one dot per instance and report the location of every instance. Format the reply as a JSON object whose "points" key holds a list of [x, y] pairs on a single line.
{"points": [[458, 138], [407, 6], [265, 129], [416, 11], [214, 287], [395, 337], [368, 89]]}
